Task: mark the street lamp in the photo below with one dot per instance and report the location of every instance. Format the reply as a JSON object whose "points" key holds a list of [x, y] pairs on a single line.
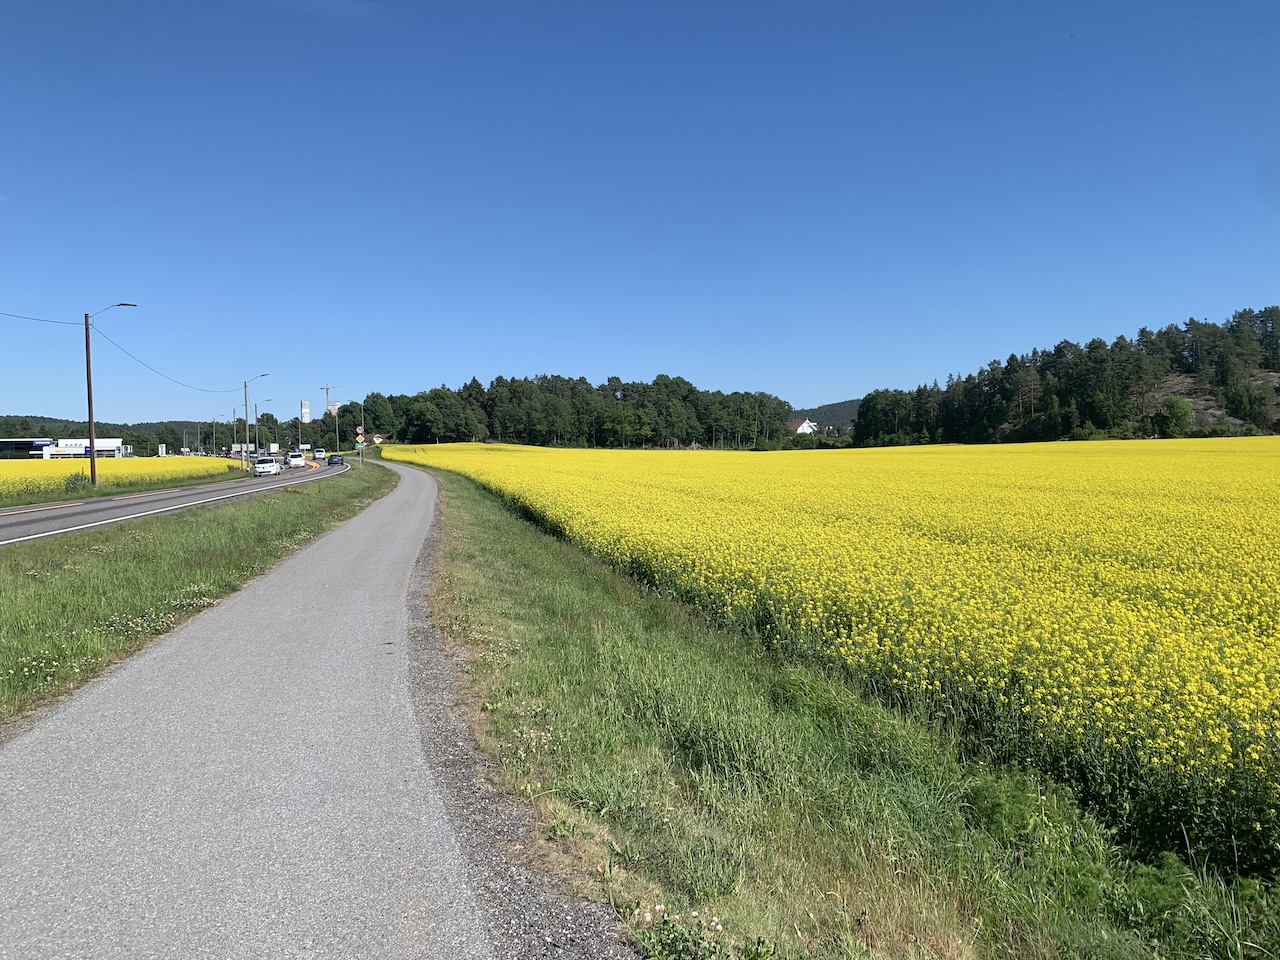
{"points": [[257, 444], [88, 381], [244, 451]]}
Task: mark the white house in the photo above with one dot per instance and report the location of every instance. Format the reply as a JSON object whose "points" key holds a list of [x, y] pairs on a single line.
{"points": [[802, 426]]}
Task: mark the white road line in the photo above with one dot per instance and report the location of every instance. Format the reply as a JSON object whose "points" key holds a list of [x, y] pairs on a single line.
{"points": [[148, 513]]}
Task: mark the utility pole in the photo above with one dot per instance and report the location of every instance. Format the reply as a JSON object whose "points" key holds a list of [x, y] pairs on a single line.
{"points": [[256, 442], [88, 381], [244, 453]]}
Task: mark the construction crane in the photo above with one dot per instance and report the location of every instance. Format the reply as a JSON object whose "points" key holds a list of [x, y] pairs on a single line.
{"points": [[326, 388]]}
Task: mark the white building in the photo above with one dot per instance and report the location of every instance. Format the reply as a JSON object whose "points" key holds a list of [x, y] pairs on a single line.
{"points": [[76, 447]]}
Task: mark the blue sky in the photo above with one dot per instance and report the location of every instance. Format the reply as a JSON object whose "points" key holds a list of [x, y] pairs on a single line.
{"points": [[814, 199]]}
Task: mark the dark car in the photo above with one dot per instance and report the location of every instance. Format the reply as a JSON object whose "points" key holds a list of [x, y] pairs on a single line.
{"points": [[335, 460]]}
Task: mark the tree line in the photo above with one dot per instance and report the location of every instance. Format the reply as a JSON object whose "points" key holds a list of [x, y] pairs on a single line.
{"points": [[544, 411], [550, 410], [1198, 378]]}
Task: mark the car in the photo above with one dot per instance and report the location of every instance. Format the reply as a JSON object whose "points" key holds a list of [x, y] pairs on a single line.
{"points": [[265, 467], [317, 453], [335, 460], [294, 459]]}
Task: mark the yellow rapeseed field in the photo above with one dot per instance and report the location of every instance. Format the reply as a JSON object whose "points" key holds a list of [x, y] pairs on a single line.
{"points": [[1112, 600], [20, 478]]}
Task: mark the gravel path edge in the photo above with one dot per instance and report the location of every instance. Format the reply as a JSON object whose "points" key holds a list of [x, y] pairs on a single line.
{"points": [[529, 914]]}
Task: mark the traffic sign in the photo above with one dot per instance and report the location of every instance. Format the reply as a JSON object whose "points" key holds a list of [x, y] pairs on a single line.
{"points": [[360, 429]]}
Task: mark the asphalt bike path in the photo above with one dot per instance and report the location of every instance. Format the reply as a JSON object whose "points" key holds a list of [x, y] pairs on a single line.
{"points": [[252, 785]]}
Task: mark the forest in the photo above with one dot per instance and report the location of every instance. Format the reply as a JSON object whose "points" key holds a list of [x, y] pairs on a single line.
{"points": [[1198, 379], [556, 411]]}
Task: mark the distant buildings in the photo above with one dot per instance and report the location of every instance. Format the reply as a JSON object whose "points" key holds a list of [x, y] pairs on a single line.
{"points": [[46, 448]]}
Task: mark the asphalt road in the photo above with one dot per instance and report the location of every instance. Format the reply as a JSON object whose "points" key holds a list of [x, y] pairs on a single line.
{"points": [[253, 785], [19, 524]]}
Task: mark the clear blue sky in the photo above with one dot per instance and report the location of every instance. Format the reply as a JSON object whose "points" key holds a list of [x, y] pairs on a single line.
{"points": [[813, 199]]}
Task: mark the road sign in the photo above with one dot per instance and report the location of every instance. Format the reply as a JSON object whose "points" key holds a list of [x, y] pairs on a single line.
{"points": [[360, 429]]}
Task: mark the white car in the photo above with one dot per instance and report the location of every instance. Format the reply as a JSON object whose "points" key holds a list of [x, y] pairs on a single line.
{"points": [[265, 467], [294, 459], [317, 454]]}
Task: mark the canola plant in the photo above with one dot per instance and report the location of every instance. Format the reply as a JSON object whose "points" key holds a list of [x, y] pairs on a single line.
{"points": [[21, 478], [1107, 610]]}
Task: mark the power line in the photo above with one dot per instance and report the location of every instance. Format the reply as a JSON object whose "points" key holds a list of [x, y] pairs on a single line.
{"points": [[76, 323], [18, 316], [154, 370]]}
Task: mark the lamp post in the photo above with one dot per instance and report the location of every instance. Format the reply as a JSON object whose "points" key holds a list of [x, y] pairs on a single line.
{"points": [[88, 381], [257, 444], [244, 451]]}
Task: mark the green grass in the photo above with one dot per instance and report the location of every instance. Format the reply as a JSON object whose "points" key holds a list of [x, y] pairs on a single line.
{"points": [[673, 763], [74, 604]]}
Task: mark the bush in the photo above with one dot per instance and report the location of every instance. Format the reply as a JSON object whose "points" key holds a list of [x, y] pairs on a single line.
{"points": [[76, 482]]}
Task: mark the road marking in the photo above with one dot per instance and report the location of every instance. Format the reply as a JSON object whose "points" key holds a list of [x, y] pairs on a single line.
{"points": [[168, 509], [147, 493], [56, 506]]}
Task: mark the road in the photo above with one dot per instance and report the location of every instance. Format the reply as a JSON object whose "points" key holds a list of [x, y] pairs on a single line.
{"points": [[19, 524], [253, 785]]}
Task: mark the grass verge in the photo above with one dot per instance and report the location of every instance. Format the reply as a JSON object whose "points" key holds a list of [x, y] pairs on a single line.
{"points": [[675, 768], [74, 604]]}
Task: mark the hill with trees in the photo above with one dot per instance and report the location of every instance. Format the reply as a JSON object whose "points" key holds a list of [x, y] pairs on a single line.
{"points": [[838, 416], [1198, 379]]}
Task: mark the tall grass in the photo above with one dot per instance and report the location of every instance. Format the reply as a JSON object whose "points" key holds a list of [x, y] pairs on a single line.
{"points": [[678, 765], [74, 604]]}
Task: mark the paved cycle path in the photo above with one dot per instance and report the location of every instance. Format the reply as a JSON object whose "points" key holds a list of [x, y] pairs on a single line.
{"points": [[252, 785]]}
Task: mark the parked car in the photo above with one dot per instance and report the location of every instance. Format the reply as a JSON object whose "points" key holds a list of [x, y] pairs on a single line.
{"points": [[294, 459], [335, 460], [265, 467]]}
